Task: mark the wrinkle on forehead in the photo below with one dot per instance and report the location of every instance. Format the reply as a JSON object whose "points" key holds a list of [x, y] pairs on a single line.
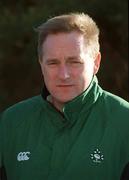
{"points": [[68, 43]]}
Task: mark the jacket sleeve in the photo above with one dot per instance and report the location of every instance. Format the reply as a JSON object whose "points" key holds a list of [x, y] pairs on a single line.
{"points": [[125, 173], [2, 169], [0, 145], [0, 141]]}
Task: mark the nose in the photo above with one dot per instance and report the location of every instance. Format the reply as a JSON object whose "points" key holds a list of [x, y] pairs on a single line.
{"points": [[63, 72]]}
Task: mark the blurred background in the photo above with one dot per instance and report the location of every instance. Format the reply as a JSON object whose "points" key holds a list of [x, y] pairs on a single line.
{"points": [[20, 75]]}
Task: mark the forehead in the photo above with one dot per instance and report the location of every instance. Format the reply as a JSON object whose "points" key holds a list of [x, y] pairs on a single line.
{"points": [[63, 42]]}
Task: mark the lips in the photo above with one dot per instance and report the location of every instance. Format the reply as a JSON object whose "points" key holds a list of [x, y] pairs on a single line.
{"points": [[64, 85]]}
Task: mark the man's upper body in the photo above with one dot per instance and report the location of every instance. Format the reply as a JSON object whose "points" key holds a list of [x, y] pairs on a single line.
{"points": [[89, 140], [78, 131]]}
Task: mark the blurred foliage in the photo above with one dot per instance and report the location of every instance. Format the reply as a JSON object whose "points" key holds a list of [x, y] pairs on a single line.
{"points": [[20, 75]]}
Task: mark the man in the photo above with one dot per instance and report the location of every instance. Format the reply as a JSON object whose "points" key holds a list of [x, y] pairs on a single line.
{"points": [[75, 129]]}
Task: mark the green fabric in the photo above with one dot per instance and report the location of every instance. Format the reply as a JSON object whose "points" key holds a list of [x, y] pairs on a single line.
{"points": [[90, 140]]}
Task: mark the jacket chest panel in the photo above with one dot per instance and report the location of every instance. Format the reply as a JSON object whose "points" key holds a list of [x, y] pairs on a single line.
{"points": [[83, 150]]}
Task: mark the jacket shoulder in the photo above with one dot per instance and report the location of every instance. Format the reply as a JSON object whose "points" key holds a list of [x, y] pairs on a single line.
{"points": [[22, 109], [117, 111], [115, 102]]}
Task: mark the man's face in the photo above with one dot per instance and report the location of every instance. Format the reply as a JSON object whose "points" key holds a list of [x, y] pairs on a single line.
{"points": [[66, 65]]}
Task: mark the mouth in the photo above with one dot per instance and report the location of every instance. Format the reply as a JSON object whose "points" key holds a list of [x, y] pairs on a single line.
{"points": [[65, 85]]}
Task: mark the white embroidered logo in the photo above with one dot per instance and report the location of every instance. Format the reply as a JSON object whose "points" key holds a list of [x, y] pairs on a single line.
{"points": [[23, 156], [97, 156]]}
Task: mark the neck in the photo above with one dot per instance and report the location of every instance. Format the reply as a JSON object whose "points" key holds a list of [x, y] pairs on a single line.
{"points": [[58, 105]]}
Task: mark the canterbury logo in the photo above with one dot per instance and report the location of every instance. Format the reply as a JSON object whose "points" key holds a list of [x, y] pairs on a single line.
{"points": [[23, 156]]}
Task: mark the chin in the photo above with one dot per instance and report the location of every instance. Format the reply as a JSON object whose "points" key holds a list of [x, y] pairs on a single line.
{"points": [[65, 100]]}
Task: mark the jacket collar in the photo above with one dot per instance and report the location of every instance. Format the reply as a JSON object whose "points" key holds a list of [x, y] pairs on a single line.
{"points": [[83, 102]]}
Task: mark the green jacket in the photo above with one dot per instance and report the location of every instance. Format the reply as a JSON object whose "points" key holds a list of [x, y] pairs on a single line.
{"points": [[88, 141]]}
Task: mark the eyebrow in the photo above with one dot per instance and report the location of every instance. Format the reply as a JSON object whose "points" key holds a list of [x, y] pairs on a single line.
{"points": [[52, 60], [74, 57], [68, 58]]}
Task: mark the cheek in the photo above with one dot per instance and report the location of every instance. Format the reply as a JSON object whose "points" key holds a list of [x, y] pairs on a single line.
{"points": [[85, 75], [89, 68], [45, 72], [49, 78], [80, 73]]}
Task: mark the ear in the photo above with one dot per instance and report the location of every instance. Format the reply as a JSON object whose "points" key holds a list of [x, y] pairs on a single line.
{"points": [[41, 66], [40, 63], [97, 62], [39, 60]]}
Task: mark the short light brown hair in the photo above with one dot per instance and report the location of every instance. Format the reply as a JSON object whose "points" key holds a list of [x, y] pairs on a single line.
{"points": [[66, 23]]}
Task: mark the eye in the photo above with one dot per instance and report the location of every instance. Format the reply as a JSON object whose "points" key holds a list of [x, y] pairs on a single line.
{"points": [[52, 62], [75, 61]]}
